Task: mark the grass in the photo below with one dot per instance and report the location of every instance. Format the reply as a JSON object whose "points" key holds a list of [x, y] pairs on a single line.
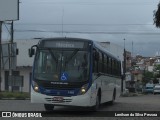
{"points": [[15, 95]]}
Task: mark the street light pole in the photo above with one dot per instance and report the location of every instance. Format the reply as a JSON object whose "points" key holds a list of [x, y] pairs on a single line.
{"points": [[124, 60]]}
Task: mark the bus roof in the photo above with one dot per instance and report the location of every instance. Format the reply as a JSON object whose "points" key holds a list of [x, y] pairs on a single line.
{"points": [[64, 38]]}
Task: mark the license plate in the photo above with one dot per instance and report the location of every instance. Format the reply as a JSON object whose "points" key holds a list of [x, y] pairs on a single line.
{"points": [[58, 99]]}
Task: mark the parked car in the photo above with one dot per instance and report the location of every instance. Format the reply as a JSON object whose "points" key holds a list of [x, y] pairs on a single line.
{"points": [[148, 88], [156, 89]]}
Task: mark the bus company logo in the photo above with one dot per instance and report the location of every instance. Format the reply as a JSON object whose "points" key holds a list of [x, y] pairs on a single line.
{"points": [[6, 114], [59, 83]]}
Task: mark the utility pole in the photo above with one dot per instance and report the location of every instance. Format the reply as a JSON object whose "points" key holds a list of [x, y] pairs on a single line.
{"points": [[0, 53], [124, 60], [11, 55], [124, 67], [132, 48], [12, 32]]}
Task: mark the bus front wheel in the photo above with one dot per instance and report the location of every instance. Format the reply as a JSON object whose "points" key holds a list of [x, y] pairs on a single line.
{"points": [[97, 105], [113, 97], [48, 107]]}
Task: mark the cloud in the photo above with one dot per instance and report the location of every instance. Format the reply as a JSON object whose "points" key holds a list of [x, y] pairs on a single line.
{"points": [[112, 20]]}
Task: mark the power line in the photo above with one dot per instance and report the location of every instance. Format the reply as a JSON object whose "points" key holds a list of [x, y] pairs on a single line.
{"points": [[131, 24], [90, 3], [93, 32]]}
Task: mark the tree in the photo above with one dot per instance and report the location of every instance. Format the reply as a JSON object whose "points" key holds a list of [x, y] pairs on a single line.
{"points": [[148, 76], [157, 67], [155, 81], [156, 15], [157, 71], [157, 75]]}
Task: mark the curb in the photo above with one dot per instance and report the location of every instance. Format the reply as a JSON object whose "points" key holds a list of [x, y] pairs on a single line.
{"points": [[130, 95]]}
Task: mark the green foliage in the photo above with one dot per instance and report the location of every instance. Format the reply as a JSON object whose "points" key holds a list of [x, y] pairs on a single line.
{"points": [[157, 67], [148, 74], [156, 15], [147, 77], [157, 70], [155, 81], [16, 95]]}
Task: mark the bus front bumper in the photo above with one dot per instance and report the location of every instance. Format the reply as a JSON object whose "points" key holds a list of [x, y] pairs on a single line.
{"points": [[79, 100]]}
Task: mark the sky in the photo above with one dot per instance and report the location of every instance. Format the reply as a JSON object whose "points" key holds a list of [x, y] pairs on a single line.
{"points": [[100, 20]]}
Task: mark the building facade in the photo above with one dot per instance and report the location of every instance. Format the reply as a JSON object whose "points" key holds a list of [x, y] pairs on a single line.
{"points": [[18, 79]]}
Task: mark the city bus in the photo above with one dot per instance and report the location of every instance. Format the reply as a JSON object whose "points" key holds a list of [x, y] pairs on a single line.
{"points": [[73, 72]]}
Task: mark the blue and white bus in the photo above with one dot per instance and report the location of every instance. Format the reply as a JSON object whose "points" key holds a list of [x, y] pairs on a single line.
{"points": [[73, 72]]}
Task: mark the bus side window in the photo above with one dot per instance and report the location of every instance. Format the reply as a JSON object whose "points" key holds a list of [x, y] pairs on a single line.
{"points": [[111, 67], [116, 68], [100, 64], [95, 60], [119, 68], [105, 64]]}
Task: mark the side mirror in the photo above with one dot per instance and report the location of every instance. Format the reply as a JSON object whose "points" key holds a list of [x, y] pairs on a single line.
{"points": [[31, 52]]}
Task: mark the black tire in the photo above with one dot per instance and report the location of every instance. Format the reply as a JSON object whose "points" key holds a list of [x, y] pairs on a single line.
{"points": [[48, 107], [97, 105]]}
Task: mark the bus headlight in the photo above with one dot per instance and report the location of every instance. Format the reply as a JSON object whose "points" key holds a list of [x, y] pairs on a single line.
{"points": [[83, 89], [35, 87]]}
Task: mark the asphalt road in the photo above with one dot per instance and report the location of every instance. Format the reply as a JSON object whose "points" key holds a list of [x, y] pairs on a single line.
{"points": [[137, 103]]}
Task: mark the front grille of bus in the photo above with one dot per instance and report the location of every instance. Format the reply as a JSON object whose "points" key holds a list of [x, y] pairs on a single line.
{"points": [[61, 87], [65, 100]]}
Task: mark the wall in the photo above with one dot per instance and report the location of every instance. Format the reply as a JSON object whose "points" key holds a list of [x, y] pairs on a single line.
{"points": [[22, 58], [25, 72]]}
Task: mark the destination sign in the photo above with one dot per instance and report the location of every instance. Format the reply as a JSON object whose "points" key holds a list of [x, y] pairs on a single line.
{"points": [[63, 44]]}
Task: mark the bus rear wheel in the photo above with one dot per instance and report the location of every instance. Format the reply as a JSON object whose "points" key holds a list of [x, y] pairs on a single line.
{"points": [[48, 107]]}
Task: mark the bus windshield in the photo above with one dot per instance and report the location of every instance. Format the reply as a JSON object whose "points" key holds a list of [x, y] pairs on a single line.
{"points": [[62, 65]]}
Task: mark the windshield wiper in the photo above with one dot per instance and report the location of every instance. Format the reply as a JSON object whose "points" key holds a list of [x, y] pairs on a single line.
{"points": [[71, 56], [53, 56]]}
